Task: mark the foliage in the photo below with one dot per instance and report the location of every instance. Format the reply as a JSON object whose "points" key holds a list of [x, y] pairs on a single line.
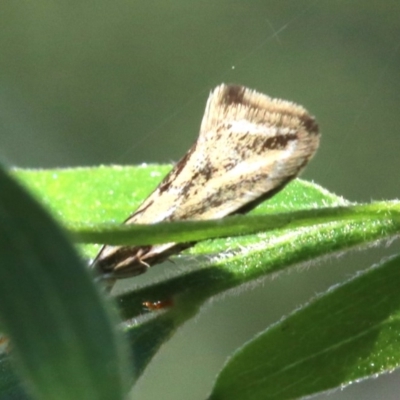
{"points": [[58, 312]]}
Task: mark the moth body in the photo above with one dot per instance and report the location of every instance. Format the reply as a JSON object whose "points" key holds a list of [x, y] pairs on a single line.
{"points": [[249, 147]]}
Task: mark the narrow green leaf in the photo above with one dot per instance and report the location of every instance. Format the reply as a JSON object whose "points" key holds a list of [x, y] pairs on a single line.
{"points": [[63, 334], [241, 260], [190, 231], [349, 333]]}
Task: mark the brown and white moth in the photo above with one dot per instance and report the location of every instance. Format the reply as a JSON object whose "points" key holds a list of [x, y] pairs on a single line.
{"points": [[250, 146]]}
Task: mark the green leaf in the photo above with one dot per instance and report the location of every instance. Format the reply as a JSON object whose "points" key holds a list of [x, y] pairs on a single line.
{"points": [[63, 334], [329, 225], [349, 333], [275, 252], [252, 257], [308, 222]]}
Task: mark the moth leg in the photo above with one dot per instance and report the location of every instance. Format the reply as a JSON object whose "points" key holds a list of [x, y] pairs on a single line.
{"points": [[140, 257]]}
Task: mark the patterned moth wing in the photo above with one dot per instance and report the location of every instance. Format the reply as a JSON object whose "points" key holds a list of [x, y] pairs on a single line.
{"points": [[250, 146]]}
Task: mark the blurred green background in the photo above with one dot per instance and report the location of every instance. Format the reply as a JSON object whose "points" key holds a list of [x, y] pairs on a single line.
{"points": [[125, 82]]}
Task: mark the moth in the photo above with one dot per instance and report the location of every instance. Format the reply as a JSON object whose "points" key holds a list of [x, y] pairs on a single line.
{"points": [[249, 147]]}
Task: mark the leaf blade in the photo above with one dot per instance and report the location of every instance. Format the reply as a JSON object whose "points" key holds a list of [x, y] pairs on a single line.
{"points": [[348, 333], [63, 334]]}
